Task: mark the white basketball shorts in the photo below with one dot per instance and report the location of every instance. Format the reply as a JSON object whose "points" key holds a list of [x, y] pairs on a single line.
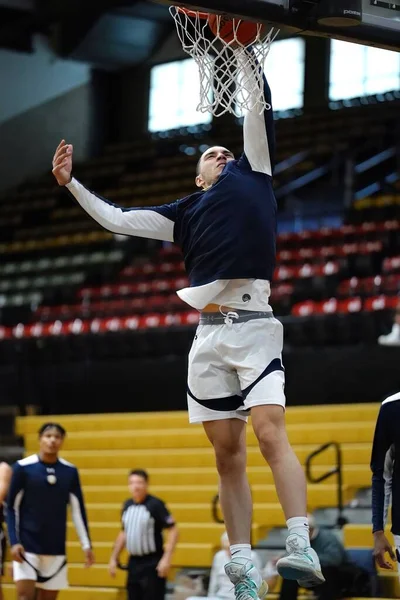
{"points": [[42, 567], [233, 367]]}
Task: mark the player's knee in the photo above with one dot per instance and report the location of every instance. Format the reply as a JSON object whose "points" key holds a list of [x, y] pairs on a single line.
{"points": [[270, 438], [230, 458]]}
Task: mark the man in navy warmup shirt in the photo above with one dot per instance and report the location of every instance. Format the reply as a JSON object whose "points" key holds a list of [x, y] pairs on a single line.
{"points": [[5, 478], [226, 231], [42, 486], [385, 466]]}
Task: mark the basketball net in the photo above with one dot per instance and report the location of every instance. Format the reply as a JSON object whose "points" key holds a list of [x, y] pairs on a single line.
{"points": [[231, 73]]}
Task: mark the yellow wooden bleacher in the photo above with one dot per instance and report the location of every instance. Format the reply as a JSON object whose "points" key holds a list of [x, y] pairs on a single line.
{"points": [[181, 467]]}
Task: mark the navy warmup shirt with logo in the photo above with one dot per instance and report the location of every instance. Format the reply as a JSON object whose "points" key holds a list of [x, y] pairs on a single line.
{"points": [[226, 232], [37, 508], [385, 465]]}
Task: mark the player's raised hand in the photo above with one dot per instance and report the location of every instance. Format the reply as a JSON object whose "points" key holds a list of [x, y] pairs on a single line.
{"points": [[62, 163], [381, 546]]}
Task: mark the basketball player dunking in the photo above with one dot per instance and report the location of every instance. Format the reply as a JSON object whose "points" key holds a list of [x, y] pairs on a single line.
{"points": [[226, 231]]}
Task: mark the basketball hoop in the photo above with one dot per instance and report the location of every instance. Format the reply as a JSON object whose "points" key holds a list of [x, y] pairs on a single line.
{"points": [[192, 13], [230, 69]]}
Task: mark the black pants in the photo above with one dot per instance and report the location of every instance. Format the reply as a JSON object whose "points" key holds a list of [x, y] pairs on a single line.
{"points": [[144, 582], [339, 583], [3, 546]]}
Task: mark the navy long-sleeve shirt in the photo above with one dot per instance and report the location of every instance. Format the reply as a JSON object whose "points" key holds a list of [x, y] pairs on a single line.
{"points": [[37, 506], [385, 465], [226, 232]]}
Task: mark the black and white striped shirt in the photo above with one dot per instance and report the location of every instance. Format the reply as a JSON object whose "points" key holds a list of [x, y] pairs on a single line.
{"points": [[143, 524]]}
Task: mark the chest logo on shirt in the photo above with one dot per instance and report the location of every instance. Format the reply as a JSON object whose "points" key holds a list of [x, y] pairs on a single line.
{"points": [[51, 478]]}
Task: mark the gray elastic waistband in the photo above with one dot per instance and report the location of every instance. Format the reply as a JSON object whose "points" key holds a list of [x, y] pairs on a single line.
{"points": [[217, 318]]}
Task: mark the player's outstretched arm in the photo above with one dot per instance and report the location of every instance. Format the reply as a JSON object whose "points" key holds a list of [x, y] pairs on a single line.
{"points": [[153, 222], [80, 519], [258, 126]]}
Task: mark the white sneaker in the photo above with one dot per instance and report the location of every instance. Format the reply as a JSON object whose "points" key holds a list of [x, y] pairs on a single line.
{"points": [[247, 580], [392, 338], [301, 563]]}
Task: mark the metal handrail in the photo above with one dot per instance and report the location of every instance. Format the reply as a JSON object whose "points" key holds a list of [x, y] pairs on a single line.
{"points": [[214, 509], [337, 470], [218, 519]]}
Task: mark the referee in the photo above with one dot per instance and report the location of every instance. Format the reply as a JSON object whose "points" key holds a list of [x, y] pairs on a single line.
{"points": [[385, 466], [143, 519]]}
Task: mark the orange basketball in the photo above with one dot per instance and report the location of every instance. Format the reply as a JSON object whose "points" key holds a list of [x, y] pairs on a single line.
{"points": [[226, 26]]}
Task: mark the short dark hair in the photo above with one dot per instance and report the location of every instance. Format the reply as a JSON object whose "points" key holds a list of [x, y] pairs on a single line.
{"points": [[51, 425], [140, 473]]}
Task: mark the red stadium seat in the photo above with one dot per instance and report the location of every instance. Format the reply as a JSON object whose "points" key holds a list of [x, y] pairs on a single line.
{"points": [[349, 249], [286, 256], [283, 273], [328, 307], [304, 309], [393, 225], [330, 251], [5, 332], [348, 287], [281, 290], [391, 284], [330, 268], [306, 271], [380, 303], [308, 253], [350, 305], [348, 230], [391, 265]]}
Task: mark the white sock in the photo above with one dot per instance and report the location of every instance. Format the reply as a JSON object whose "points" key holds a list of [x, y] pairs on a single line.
{"points": [[242, 551], [299, 526]]}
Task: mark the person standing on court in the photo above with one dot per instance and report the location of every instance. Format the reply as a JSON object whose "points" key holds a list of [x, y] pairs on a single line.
{"points": [[227, 232], [143, 519], [385, 467], [5, 478], [42, 485]]}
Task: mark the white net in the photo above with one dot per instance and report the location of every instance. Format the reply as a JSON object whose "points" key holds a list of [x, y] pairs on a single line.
{"points": [[230, 71]]}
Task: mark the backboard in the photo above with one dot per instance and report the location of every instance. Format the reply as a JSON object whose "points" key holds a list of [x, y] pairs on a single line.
{"points": [[370, 22]]}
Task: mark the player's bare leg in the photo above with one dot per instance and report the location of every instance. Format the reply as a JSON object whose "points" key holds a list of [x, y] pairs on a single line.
{"points": [[228, 438], [26, 589], [302, 562], [47, 594], [269, 426]]}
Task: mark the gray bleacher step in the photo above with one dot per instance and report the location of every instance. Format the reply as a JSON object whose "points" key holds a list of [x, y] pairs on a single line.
{"points": [[275, 540], [272, 546], [328, 517], [363, 499]]}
